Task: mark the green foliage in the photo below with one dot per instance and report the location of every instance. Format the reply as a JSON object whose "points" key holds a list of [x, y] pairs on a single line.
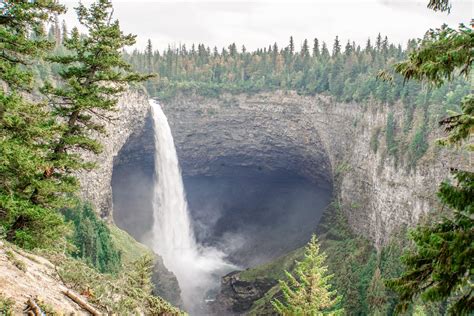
{"points": [[128, 293], [390, 131], [40, 143], [27, 200], [351, 259], [275, 269], [22, 38], [418, 146], [439, 267], [443, 52], [6, 305], [308, 291], [93, 239], [93, 75]]}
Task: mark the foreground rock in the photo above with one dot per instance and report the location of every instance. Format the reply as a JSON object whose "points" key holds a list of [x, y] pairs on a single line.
{"points": [[237, 296], [25, 276]]}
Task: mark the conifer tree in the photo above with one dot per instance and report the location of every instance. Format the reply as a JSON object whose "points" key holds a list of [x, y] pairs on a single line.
{"points": [[307, 291], [336, 48], [94, 75], [291, 46], [316, 51], [28, 201], [440, 265], [305, 49], [149, 56]]}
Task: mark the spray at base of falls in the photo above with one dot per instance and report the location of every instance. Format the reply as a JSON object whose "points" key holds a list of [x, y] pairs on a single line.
{"points": [[197, 268]]}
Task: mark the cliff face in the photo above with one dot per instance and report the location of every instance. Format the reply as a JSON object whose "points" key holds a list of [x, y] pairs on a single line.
{"points": [[312, 136], [132, 109], [315, 137]]}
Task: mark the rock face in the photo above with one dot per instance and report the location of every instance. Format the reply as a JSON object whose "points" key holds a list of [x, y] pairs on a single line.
{"points": [[132, 109], [312, 136], [129, 120], [24, 276], [237, 296], [315, 137]]}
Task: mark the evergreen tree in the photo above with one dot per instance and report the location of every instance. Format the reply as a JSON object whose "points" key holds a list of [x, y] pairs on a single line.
{"points": [[336, 48], [291, 46], [94, 75], [63, 31], [325, 51], [149, 57], [308, 291], [440, 265], [378, 43], [305, 49], [316, 51], [28, 201]]}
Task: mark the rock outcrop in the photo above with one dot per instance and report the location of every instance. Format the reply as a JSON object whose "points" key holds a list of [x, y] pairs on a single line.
{"points": [[237, 296], [129, 118], [315, 137], [24, 276]]}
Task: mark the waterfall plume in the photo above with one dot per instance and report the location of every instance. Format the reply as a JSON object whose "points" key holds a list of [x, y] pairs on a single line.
{"points": [[197, 268]]}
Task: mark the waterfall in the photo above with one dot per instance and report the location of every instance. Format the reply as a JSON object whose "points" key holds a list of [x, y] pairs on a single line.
{"points": [[197, 268]]}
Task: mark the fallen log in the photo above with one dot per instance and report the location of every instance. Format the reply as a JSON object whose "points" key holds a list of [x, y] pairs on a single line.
{"points": [[82, 303]]}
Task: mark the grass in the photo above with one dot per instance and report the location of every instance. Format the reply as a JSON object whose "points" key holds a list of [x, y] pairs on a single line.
{"points": [[16, 262], [129, 248], [6, 306], [274, 269]]}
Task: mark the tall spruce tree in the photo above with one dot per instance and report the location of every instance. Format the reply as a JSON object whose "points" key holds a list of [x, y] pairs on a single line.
{"points": [[440, 266], [94, 75], [308, 291], [336, 48], [28, 201]]}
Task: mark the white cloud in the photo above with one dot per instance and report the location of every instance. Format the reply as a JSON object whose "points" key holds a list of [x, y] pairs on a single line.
{"points": [[262, 22]]}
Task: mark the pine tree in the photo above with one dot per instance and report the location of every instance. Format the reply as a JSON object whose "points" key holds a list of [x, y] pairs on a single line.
{"points": [[308, 291], [94, 75], [378, 42], [291, 46], [316, 51], [28, 201], [440, 265], [336, 48], [63, 31], [149, 57], [305, 49], [325, 51]]}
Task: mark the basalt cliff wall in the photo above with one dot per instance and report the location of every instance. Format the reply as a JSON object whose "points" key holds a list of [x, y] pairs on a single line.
{"points": [[312, 136]]}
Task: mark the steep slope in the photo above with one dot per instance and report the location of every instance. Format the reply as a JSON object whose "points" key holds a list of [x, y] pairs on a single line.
{"points": [[24, 276]]}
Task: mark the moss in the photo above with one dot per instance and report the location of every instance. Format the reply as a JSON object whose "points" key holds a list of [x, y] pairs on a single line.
{"points": [[273, 270], [129, 248], [263, 306]]}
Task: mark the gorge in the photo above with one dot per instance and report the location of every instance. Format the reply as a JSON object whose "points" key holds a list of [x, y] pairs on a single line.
{"points": [[229, 148]]}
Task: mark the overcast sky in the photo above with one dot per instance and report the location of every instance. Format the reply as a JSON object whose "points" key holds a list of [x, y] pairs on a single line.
{"points": [[259, 23]]}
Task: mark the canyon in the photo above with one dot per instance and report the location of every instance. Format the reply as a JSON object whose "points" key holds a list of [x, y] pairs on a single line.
{"points": [[236, 147]]}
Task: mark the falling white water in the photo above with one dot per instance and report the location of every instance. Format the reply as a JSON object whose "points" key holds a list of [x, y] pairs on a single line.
{"points": [[197, 268]]}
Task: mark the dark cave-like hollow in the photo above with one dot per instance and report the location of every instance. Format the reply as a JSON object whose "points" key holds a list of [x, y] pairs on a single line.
{"points": [[252, 209], [250, 214]]}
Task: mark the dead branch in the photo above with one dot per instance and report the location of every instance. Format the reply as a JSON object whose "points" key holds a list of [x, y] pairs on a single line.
{"points": [[82, 303]]}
